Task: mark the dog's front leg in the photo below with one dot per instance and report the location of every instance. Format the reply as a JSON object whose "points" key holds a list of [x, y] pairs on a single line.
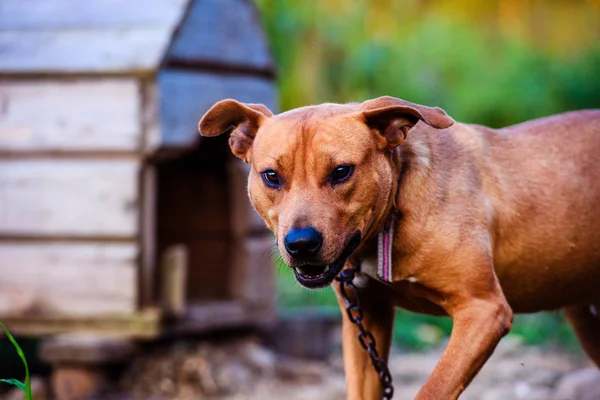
{"points": [[480, 320], [362, 381]]}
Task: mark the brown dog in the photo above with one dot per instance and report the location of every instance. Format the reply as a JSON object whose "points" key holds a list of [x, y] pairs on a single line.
{"points": [[487, 222]]}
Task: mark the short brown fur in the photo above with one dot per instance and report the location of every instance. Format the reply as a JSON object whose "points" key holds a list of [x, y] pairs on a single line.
{"points": [[491, 221]]}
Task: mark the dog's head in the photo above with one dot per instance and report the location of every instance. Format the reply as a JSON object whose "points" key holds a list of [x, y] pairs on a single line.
{"points": [[323, 177]]}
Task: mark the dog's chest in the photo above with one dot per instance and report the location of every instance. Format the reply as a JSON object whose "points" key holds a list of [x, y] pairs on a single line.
{"points": [[406, 292], [369, 267], [372, 263]]}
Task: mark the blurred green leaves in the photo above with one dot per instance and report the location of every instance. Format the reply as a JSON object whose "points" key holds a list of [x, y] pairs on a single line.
{"points": [[336, 54]]}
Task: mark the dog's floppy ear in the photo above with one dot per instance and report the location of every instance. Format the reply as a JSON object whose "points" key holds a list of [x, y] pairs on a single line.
{"points": [[242, 120], [394, 117]]}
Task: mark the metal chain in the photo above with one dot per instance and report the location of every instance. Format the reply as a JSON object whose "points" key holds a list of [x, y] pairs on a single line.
{"points": [[365, 337]]}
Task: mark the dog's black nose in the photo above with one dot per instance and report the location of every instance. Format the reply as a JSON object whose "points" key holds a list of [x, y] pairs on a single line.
{"points": [[303, 243]]}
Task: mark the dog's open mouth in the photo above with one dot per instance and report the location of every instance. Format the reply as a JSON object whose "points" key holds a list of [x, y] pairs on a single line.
{"points": [[318, 276]]}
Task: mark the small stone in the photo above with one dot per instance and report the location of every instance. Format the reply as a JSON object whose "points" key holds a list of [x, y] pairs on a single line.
{"points": [[258, 357], [233, 377], [522, 390]]}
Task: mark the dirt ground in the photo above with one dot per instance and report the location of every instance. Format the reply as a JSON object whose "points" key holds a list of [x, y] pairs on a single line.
{"points": [[245, 370]]}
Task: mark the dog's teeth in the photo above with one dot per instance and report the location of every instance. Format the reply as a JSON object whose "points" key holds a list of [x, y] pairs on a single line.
{"points": [[301, 270], [326, 268]]}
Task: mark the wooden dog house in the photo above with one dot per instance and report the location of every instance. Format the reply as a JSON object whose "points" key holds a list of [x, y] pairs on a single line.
{"points": [[113, 212]]}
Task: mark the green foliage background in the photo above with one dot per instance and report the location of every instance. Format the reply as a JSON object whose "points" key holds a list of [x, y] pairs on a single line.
{"points": [[496, 63]]}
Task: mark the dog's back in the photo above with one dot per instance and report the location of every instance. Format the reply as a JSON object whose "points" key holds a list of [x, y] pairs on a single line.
{"points": [[543, 179]]}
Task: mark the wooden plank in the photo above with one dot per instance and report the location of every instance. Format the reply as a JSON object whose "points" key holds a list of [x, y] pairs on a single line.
{"points": [[182, 106], [89, 14], [60, 279], [202, 317], [150, 116], [96, 115], [224, 31], [211, 315], [148, 235], [69, 197], [173, 277], [143, 325], [86, 348], [83, 51]]}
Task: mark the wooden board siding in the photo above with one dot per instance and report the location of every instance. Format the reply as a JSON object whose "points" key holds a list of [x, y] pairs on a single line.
{"points": [[67, 279], [145, 324], [121, 50], [90, 14], [147, 241], [58, 197], [80, 115], [186, 96], [210, 316], [225, 32], [150, 116]]}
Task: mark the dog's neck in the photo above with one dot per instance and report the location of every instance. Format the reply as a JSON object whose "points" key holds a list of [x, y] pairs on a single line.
{"points": [[420, 183], [412, 163]]}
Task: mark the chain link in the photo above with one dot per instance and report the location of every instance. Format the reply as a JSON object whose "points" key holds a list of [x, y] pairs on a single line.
{"points": [[365, 337]]}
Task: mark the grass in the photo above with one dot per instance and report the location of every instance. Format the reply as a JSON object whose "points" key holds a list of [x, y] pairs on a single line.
{"points": [[418, 332], [24, 386]]}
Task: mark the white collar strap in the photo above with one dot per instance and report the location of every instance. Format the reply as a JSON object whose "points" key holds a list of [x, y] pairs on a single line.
{"points": [[385, 244]]}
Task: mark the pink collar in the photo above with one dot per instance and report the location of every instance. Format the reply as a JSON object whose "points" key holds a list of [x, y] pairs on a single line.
{"points": [[385, 244]]}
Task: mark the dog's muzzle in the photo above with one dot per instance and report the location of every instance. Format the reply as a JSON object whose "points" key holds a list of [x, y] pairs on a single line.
{"points": [[318, 276]]}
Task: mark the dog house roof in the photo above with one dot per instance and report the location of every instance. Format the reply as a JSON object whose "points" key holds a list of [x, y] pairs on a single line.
{"points": [[133, 36]]}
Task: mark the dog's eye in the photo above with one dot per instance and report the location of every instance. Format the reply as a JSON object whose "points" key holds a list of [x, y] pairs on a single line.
{"points": [[342, 173], [271, 178]]}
